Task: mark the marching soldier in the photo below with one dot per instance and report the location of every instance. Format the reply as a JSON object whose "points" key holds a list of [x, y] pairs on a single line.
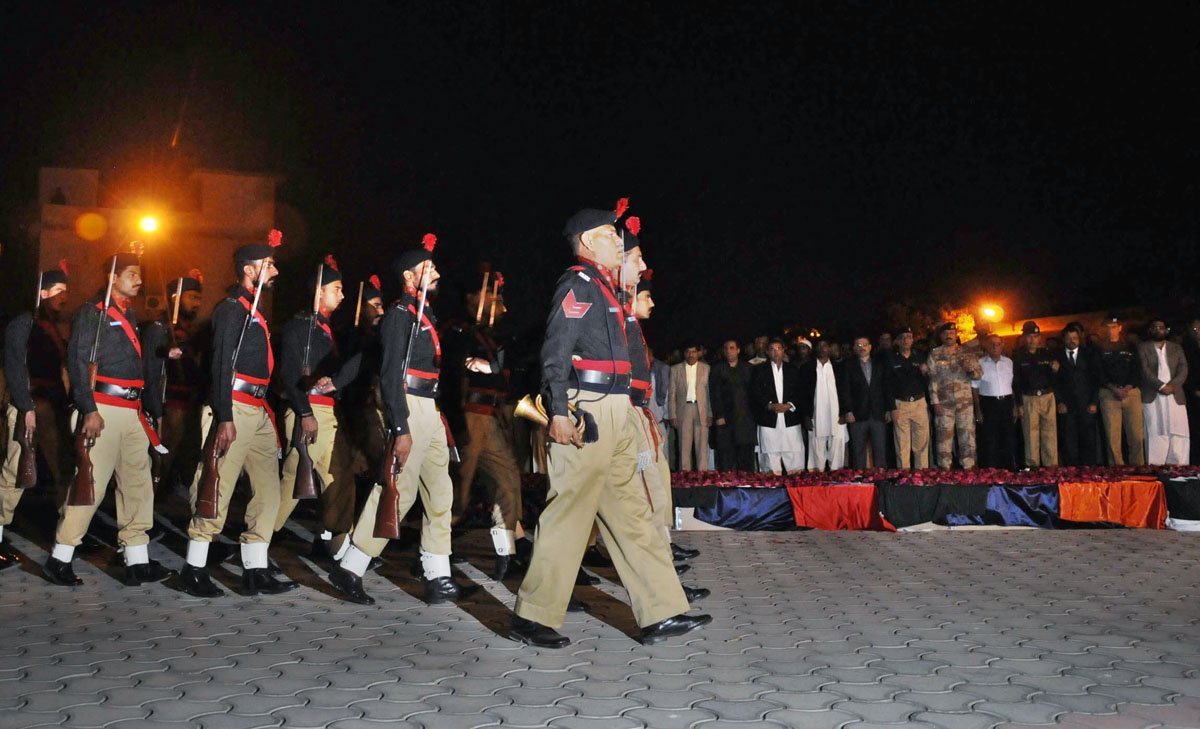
{"points": [[34, 354], [409, 383], [594, 474], [951, 369], [113, 428], [170, 352], [1034, 371], [241, 431], [307, 345], [474, 354]]}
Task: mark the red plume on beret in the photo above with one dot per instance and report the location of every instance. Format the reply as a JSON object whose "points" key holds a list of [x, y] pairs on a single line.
{"points": [[429, 242], [62, 266], [330, 262], [499, 280], [196, 274], [633, 224], [375, 282], [622, 206], [648, 274], [275, 238], [136, 247]]}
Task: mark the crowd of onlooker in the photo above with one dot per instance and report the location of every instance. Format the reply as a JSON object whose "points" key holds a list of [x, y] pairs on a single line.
{"points": [[1114, 394]]}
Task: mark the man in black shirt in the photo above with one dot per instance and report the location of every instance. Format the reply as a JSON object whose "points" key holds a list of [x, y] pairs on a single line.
{"points": [[905, 383], [1120, 395], [1034, 369]]}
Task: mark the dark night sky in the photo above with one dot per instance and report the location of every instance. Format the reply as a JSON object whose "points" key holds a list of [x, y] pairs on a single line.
{"points": [[790, 161]]}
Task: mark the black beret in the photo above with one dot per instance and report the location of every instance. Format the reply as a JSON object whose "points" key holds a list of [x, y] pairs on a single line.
{"points": [[645, 285], [329, 273], [52, 278], [631, 241], [409, 260], [253, 252], [586, 220], [1112, 318], [189, 284], [372, 288], [124, 261], [1030, 327], [947, 327]]}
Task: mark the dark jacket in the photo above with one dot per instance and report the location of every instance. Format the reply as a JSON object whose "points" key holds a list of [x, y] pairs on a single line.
{"points": [[1078, 385], [762, 394], [855, 395], [729, 395]]}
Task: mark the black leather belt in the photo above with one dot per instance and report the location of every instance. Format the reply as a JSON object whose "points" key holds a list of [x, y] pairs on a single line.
{"points": [[126, 393], [251, 389], [911, 398], [490, 399], [601, 381], [997, 397], [420, 386], [1039, 393]]}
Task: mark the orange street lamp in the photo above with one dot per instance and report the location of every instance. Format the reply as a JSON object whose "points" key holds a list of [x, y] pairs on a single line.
{"points": [[991, 312], [148, 223]]}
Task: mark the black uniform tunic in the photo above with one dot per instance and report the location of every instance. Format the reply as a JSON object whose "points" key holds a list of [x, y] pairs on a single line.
{"points": [[255, 359], [118, 355], [33, 361], [423, 365], [324, 359]]}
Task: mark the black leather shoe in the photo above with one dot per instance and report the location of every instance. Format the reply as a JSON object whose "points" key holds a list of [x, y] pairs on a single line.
{"points": [[375, 563], [584, 578], [696, 593], [671, 627], [61, 573], [197, 583], [593, 557], [536, 634], [441, 589], [276, 571], [350, 585], [140, 574], [10, 554], [576, 606], [681, 568], [500, 570], [457, 558], [683, 553], [258, 581]]}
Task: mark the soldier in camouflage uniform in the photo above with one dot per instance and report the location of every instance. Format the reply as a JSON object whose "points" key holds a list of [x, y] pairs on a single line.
{"points": [[951, 369]]}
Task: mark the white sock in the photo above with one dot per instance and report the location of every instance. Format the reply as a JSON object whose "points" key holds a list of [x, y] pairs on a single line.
{"points": [[139, 554], [326, 535], [63, 553], [1, 533], [337, 557], [435, 565], [254, 556], [356, 560], [197, 555]]}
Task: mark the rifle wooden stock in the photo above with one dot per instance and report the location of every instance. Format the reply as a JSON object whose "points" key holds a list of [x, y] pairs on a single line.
{"points": [[387, 515], [27, 461], [208, 491], [83, 489], [305, 486]]}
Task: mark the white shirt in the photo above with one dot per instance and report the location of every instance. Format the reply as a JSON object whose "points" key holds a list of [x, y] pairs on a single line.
{"points": [[690, 370], [1072, 355], [997, 377], [777, 373]]}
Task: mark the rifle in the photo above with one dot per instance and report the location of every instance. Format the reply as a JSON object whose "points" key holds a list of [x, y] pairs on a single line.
{"points": [[83, 490], [387, 516], [208, 490], [305, 486], [358, 306], [156, 458]]}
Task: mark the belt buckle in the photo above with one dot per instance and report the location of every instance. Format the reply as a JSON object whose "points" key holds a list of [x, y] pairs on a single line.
{"points": [[259, 391], [132, 393]]}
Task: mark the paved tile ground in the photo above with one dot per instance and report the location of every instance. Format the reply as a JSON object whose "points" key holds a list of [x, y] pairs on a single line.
{"points": [[960, 630]]}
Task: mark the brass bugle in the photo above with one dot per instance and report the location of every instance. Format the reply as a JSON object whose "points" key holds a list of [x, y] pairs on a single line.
{"points": [[532, 409]]}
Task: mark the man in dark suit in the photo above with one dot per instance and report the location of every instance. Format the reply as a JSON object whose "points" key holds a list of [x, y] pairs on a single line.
{"points": [[729, 396], [775, 400], [863, 405], [1078, 394]]}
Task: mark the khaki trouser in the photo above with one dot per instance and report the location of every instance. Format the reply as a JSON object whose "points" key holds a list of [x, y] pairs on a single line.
{"points": [[321, 453], [255, 450], [488, 449], [600, 480], [122, 448], [1039, 428], [50, 438], [657, 477], [1118, 415], [693, 438], [911, 433], [426, 472]]}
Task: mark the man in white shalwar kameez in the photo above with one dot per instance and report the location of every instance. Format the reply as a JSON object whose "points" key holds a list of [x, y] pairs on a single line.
{"points": [[827, 434], [1164, 412], [779, 444]]}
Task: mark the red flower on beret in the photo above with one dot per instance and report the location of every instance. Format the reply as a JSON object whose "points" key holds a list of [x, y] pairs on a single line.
{"points": [[195, 273], [275, 238], [375, 282], [62, 266], [648, 274], [499, 280], [429, 242], [622, 206], [330, 262], [633, 224], [137, 248]]}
